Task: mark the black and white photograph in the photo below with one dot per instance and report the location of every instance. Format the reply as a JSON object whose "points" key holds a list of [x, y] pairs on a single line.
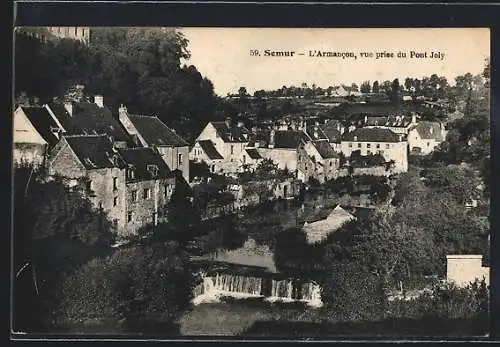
{"points": [[251, 183]]}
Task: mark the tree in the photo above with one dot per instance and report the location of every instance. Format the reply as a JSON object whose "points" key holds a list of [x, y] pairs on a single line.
{"points": [[375, 87], [365, 87], [395, 92], [139, 284], [242, 92], [351, 293]]}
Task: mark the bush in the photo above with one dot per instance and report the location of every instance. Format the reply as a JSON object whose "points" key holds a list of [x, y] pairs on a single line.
{"points": [[137, 284], [351, 293]]}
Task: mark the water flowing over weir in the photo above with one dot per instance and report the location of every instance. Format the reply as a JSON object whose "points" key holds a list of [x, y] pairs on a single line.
{"points": [[217, 285]]}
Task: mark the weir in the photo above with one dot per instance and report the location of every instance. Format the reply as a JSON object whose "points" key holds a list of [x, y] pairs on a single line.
{"points": [[218, 285]]}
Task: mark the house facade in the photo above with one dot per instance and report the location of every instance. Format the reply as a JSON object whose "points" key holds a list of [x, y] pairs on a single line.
{"points": [[149, 184], [424, 137], [371, 141], [132, 186], [150, 131], [318, 160], [93, 159], [229, 141], [35, 132]]}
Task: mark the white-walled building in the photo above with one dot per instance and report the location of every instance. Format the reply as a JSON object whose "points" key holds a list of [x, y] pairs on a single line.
{"points": [[229, 141], [377, 141], [424, 137]]}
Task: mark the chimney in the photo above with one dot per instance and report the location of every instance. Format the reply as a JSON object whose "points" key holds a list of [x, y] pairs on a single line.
{"points": [[99, 100], [122, 111], [414, 118], [271, 138], [69, 107]]}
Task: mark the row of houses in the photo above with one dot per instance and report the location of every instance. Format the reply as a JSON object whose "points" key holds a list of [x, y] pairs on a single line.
{"points": [[314, 151], [129, 166], [131, 163]]}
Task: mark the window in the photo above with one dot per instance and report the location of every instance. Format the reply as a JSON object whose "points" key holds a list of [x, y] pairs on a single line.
{"points": [[232, 149], [131, 172], [350, 144], [331, 163], [134, 195], [213, 167], [100, 206], [244, 159], [88, 186], [115, 201], [147, 193], [153, 169], [428, 144], [76, 33], [179, 159], [130, 217], [368, 145], [378, 145], [359, 145], [115, 181], [387, 146]]}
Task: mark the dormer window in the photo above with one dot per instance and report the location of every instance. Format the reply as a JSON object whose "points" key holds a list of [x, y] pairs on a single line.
{"points": [[153, 169], [355, 138], [131, 172]]}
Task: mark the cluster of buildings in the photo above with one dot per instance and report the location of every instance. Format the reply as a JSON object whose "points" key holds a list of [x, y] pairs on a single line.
{"points": [[128, 167], [314, 150], [130, 163]]}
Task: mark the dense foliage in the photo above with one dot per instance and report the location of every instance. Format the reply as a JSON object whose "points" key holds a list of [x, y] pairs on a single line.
{"points": [[138, 284], [139, 67]]}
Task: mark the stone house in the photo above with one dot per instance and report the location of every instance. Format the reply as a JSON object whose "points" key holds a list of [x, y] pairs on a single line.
{"points": [[377, 141], [36, 131], [132, 185], [93, 159], [150, 131], [424, 137], [333, 131], [149, 184], [229, 141], [281, 146], [204, 151], [318, 160]]}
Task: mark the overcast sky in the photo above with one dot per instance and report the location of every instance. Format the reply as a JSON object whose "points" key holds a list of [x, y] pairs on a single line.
{"points": [[223, 55]]}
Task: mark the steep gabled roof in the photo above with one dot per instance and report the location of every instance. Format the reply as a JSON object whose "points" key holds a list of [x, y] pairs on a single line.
{"points": [[140, 158], [232, 133], [41, 119], [89, 119], [371, 135], [95, 151], [210, 150], [155, 132], [325, 150], [429, 130]]}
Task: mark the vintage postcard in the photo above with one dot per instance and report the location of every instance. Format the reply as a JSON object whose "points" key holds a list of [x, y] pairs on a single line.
{"points": [[273, 182]]}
